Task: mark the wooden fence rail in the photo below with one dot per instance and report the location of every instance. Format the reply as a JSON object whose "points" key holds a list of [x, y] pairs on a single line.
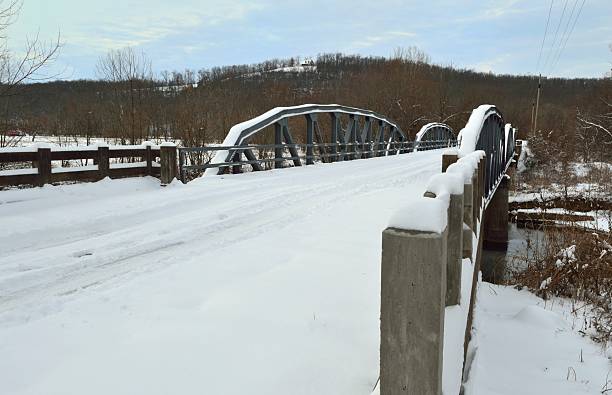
{"points": [[42, 172]]}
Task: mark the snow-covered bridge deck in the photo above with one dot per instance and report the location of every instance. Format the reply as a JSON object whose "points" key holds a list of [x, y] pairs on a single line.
{"points": [[264, 282]]}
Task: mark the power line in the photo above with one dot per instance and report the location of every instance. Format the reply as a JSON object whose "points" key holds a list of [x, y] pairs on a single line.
{"points": [[555, 38], [565, 30], [568, 36], [544, 38]]}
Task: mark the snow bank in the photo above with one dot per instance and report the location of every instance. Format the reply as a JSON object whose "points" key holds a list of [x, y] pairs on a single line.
{"points": [[525, 345]]}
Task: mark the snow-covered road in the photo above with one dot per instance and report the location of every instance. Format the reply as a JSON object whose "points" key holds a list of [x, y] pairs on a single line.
{"points": [[246, 284]]}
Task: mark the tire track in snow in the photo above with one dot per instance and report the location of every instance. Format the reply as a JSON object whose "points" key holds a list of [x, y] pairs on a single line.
{"points": [[120, 254]]}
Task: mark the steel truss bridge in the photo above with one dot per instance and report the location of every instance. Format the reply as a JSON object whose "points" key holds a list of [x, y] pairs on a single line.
{"points": [[336, 133]]}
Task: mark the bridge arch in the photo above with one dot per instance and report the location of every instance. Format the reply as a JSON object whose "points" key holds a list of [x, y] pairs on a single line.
{"points": [[432, 135], [367, 134], [486, 131]]}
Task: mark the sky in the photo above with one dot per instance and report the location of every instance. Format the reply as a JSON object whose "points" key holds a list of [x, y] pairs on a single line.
{"points": [[496, 36]]}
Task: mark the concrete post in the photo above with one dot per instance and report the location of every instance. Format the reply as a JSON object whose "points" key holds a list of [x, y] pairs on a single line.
{"points": [[468, 202], [413, 287], [475, 194], [44, 166], [469, 215], [467, 243], [447, 160], [167, 156], [454, 250], [479, 196]]}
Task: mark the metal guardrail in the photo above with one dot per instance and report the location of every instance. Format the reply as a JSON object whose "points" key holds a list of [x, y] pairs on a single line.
{"points": [[264, 156]]}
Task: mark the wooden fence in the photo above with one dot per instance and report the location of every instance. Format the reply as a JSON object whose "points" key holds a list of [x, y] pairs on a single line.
{"points": [[42, 172]]}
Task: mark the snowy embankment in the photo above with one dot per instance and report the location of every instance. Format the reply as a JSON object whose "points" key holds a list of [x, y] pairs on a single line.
{"points": [[254, 283], [525, 345]]}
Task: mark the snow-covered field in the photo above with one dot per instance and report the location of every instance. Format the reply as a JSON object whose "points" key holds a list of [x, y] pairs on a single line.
{"points": [[260, 283]]}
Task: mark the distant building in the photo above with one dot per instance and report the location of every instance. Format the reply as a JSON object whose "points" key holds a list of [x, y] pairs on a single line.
{"points": [[15, 133], [308, 63]]}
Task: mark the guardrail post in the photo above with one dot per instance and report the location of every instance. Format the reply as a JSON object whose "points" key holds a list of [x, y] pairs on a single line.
{"points": [[103, 162], [167, 156], [149, 160], [413, 287], [44, 166]]}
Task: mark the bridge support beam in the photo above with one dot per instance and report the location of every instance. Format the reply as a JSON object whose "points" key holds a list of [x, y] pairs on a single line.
{"points": [[310, 125], [335, 129], [495, 234], [496, 219], [413, 291]]}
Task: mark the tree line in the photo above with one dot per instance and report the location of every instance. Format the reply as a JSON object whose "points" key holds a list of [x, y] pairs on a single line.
{"points": [[129, 104]]}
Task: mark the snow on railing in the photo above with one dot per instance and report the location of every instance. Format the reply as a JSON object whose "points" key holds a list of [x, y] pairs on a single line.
{"points": [[469, 135], [429, 212], [76, 148]]}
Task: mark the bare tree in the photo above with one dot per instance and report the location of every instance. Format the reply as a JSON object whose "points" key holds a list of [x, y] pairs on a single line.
{"points": [[130, 76], [594, 127], [18, 69]]}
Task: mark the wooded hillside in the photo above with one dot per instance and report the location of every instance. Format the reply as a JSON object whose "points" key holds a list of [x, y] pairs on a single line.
{"points": [[199, 107]]}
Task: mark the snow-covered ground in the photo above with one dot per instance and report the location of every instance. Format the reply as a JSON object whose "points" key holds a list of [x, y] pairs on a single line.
{"points": [[601, 218], [527, 346], [259, 283]]}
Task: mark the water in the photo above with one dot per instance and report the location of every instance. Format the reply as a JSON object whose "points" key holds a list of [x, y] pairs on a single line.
{"points": [[497, 265]]}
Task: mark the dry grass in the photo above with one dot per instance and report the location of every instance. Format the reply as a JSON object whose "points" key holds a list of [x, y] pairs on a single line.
{"points": [[575, 264]]}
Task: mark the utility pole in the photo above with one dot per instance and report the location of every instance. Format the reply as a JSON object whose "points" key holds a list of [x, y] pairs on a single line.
{"points": [[532, 112], [535, 119]]}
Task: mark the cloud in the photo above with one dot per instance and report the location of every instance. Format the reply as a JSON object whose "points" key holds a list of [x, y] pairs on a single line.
{"points": [[492, 65], [370, 41], [499, 9], [141, 29]]}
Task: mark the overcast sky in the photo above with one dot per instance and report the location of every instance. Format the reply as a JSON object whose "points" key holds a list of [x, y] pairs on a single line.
{"points": [[486, 35]]}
